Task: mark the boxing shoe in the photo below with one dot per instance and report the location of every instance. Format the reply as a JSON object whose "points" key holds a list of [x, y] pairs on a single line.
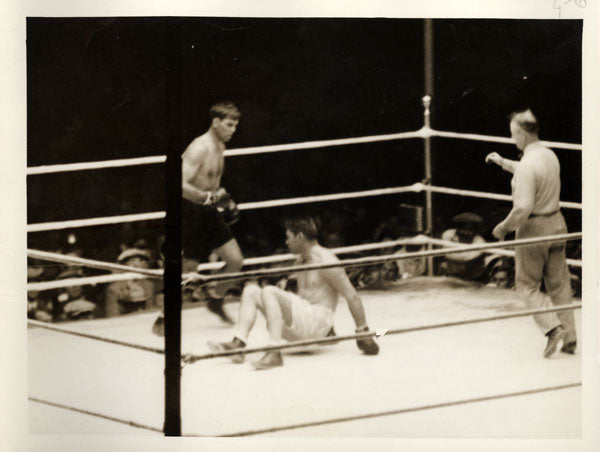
{"points": [[217, 347], [214, 303], [216, 306], [555, 335], [268, 361], [158, 327], [367, 345]]}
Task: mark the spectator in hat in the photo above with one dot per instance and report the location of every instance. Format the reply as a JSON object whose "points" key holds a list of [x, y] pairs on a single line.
{"points": [[501, 273], [468, 265], [125, 297], [71, 302]]}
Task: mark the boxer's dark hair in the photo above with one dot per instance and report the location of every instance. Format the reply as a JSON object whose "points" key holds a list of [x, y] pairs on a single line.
{"points": [[224, 109], [305, 224], [526, 120]]}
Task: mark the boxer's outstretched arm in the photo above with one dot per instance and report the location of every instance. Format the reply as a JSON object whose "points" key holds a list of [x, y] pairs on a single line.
{"points": [[339, 280]]}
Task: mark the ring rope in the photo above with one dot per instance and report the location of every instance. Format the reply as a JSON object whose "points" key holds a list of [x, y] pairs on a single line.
{"points": [[509, 253], [190, 358], [480, 194], [45, 169], [101, 265], [495, 139], [96, 337], [40, 286], [117, 219], [228, 153], [424, 132], [331, 197], [324, 421], [380, 259], [278, 258], [91, 413], [158, 273], [323, 143], [399, 411], [415, 188], [51, 226]]}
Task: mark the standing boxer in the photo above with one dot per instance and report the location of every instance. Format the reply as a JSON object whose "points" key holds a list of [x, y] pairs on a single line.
{"points": [[207, 208]]}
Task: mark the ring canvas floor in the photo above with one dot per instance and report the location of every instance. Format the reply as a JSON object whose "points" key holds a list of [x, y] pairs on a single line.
{"points": [[321, 382]]}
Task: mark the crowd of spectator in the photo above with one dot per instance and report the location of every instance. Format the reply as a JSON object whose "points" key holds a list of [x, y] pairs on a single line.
{"points": [[141, 249], [86, 301]]}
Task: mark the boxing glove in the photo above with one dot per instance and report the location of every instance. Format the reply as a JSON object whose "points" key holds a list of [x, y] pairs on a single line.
{"points": [[367, 345]]}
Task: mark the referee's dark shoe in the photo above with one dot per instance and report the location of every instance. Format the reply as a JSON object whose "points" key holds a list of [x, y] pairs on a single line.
{"points": [[555, 336], [569, 347]]}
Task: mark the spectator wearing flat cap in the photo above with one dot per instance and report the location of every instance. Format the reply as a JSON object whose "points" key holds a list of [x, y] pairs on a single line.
{"points": [[124, 297], [468, 265]]}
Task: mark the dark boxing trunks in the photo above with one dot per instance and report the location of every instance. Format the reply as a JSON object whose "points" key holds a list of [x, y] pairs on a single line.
{"points": [[203, 230]]}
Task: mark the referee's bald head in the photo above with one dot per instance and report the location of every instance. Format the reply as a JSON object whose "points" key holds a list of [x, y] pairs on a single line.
{"points": [[526, 120]]}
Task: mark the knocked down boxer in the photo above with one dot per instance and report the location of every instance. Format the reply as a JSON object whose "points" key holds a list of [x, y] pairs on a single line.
{"points": [[305, 315]]}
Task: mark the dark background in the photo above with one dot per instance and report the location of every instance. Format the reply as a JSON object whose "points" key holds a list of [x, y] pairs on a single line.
{"points": [[97, 90]]}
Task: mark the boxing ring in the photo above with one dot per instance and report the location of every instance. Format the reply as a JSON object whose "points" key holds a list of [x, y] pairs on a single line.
{"points": [[454, 358]]}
